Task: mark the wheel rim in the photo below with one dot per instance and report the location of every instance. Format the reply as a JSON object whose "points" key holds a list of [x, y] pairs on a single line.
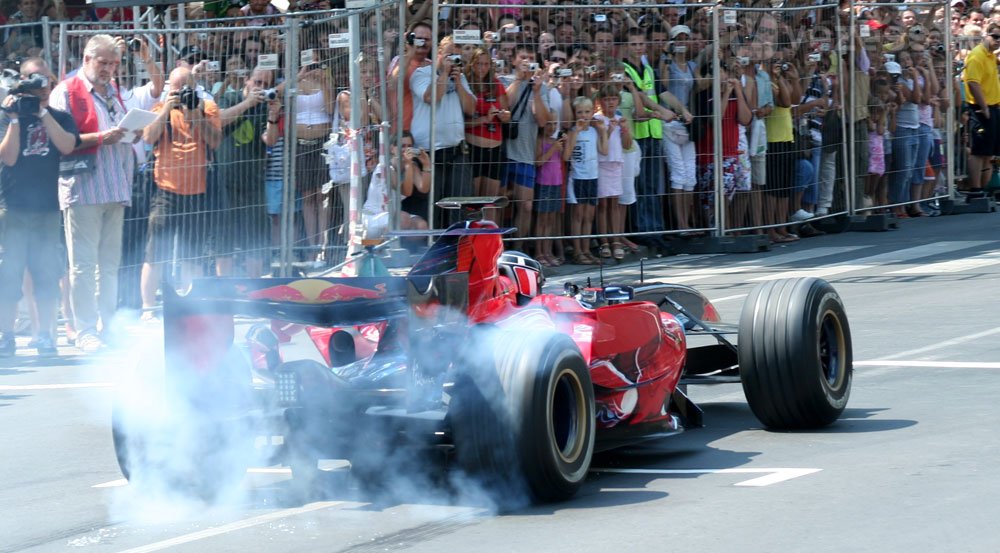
{"points": [[832, 350], [567, 422]]}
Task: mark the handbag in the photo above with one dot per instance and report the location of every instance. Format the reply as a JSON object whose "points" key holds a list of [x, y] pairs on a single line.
{"points": [[758, 137], [677, 132], [510, 128]]}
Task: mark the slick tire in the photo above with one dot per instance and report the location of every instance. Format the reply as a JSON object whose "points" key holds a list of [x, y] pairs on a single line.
{"points": [[526, 423], [795, 353]]}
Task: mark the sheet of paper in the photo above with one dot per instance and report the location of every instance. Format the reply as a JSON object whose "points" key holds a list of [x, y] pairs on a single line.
{"points": [[134, 122]]}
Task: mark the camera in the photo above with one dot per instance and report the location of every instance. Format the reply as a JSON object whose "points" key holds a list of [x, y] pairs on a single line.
{"points": [[895, 78], [785, 66], [598, 17], [743, 60], [412, 40], [938, 49], [617, 77], [499, 64], [815, 57], [455, 59], [270, 94], [26, 104], [188, 97], [532, 66], [135, 44], [564, 72]]}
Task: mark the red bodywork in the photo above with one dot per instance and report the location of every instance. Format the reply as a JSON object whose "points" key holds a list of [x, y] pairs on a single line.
{"points": [[636, 353]]}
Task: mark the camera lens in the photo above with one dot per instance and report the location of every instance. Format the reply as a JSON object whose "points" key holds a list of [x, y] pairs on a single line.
{"points": [[271, 94], [135, 44]]}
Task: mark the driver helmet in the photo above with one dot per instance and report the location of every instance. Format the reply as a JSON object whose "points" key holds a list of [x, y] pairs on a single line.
{"points": [[525, 272]]}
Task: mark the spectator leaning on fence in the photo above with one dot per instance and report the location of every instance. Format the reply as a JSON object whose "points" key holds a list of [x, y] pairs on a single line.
{"points": [[95, 187], [982, 92], [186, 130], [30, 151]]}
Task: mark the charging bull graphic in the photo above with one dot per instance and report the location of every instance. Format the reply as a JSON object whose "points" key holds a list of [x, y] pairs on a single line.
{"points": [[312, 290]]}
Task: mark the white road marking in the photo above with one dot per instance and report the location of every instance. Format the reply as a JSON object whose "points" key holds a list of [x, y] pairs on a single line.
{"points": [[772, 475], [233, 526], [928, 364], [945, 344], [112, 484], [670, 275], [863, 263], [39, 387], [954, 265], [727, 298]]}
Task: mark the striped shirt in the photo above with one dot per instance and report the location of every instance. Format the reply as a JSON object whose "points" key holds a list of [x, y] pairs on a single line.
{"points": [[111, 179], [275, 170]]}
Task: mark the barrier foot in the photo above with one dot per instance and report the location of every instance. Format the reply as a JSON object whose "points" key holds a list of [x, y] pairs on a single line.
{"points": [[833, 225], [874, 222], [750, 243], [976, 205]]}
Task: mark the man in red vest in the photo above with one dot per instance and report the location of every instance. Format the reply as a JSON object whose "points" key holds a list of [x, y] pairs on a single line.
{"points": [[94, 188]]}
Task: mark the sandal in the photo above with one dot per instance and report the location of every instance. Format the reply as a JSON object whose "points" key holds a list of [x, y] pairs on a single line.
{"points": [[618, 251], [605, 250], [585, 259]]}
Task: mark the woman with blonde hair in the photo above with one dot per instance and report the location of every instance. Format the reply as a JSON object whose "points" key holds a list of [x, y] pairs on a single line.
{"points": [[483, 129]]}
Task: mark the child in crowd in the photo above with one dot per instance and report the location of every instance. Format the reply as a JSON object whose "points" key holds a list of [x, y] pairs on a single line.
{"points": [[874, 193], [610, 220], [548, 190], [587, 140]]}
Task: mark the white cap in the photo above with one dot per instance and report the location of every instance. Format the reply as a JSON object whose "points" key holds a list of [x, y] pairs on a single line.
{"points": [[893, 68], [679, 29]]}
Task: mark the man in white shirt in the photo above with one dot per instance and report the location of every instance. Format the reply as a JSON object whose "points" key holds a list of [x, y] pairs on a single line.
{"points": [[452, 172]]}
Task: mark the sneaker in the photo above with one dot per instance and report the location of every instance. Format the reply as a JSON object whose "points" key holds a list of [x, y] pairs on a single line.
{"points": [[802, 215], [8, 347], [88, 342], [43, 344], [821, 211]]}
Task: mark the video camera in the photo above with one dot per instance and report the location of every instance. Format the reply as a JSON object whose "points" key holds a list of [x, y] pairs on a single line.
{"points": [[26, 104]]}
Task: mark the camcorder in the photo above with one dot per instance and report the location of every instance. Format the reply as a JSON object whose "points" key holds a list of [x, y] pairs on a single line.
{"points": [[188, 97], [26, 104]]}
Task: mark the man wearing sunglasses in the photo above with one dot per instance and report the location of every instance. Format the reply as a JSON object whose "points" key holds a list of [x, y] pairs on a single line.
{"points": [[982, 90]]}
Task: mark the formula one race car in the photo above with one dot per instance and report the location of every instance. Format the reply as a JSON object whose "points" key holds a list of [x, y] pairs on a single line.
{"points": [[465, 356]]}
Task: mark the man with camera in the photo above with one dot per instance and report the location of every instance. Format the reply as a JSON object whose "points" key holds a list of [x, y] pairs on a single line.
{"points": [[240, 161], [444, 84], [415, 56], [95, 187], [184, 133], [34, 138]]}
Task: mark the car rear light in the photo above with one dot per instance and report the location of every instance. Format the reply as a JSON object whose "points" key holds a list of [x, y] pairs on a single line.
{"points": [[287, 385]]}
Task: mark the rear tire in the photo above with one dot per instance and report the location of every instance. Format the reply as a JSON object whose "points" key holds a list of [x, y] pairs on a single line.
{"points": [[526, 423], [795, 353]]}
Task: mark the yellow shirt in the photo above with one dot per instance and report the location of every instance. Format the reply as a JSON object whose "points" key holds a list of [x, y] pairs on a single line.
{"points": [[779, 125], [981, 67]]}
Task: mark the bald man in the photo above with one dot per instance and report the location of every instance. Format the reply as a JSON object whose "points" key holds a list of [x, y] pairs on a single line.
{"points": [[187, 127]]}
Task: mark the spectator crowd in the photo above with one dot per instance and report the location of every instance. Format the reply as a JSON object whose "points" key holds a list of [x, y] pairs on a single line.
{"points": [[598, 121]]}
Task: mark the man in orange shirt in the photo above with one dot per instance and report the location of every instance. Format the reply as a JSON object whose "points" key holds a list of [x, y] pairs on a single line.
{"points": [[184, 134]]}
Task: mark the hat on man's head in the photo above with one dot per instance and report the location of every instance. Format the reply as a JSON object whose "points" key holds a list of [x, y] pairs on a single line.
{"points": [[679, 30], [893, 68], [192, 54], [955, 3]]}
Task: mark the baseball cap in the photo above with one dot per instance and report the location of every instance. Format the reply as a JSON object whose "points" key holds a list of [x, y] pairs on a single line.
{"points": [[192, 54], [678, 30], [876, 25], [957, 2], [893, 68]]}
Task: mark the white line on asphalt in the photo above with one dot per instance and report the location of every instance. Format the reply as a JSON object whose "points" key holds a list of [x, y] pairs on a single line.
{"points": [[727, 298], [671, 275], [233, 526], [898, 256], [112, 484], [945, 344], [772, 475], [928, 364], [954, 265], [38, 387]]}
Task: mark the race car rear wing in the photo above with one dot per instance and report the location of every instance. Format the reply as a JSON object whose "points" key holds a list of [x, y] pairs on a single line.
{"points": [[199, 327]]}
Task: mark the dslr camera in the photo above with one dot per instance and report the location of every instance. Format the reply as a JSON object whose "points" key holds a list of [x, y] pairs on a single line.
{"points": [[189, 97], [25, 104]]}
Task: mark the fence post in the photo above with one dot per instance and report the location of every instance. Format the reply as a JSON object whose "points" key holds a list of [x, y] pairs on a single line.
{"points": [[720, 196], [434, 101], [949, 76], [357, 153], [47, 40], [62, 51], [288, 186]]}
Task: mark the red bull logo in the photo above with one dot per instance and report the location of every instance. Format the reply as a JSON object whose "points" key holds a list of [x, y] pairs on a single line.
{"points": [[314, 290]]}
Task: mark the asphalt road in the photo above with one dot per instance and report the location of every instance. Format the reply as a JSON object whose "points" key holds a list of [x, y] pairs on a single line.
{"points": [[910, 467]]}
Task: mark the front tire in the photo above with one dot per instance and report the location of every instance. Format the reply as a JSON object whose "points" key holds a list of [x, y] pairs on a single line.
{"points": [[795, 353], [527, 421]]}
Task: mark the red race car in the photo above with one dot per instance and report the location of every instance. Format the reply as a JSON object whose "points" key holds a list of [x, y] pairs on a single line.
{"points": [[467, 357]]}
